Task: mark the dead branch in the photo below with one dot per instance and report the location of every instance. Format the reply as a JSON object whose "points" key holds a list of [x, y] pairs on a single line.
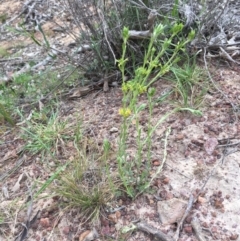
{"points": [[83, 48], [133, 34], [29, 221], [197, 229], [25, 8], [16, 59], [158, 234], [188, 13], [9, 172], [30, 11], [105, 31], [188, 209], [56, 87], [44, 62], [225, 55], [229, 144], [27, 67]]}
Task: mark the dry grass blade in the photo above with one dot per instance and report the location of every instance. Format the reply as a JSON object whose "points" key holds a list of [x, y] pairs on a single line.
{"points": [[84, 187]]}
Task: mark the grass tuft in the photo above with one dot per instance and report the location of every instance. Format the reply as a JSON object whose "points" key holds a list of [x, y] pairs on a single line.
{"points": [[190, 85], [87, 183], [45, 138]]}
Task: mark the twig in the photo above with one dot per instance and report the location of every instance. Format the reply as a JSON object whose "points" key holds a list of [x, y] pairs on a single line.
{"points": [[105, 27], [214, 84], [46, 60], [198, 230], [162, 164], [30, 11], [227, 153], [17, 16], [29, 222], [165, 6], [215, 20], [12, 170], [134, 34], [189, 207], [27, 67], [157, 233], [210, 174], [10, 59], [145, 34], [225, 55], [229, 144], [222, 45], [192, 199], [175, 169], [56, 87]]}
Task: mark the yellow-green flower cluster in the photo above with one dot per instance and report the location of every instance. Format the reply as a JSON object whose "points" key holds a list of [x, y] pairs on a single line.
{"points": [[165, 69], [133, 86], [141, 88], [125, 112], [124, 87]]}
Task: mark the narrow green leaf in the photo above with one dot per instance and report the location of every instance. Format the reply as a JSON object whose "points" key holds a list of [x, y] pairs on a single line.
{"points": [[6, 115]]}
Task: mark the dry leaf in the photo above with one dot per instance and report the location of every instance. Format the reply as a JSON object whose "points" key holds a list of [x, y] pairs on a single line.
{"points": [[88, 235], [79, 92], [8, 155], [41, 105], [5, 192], [21, 178]]}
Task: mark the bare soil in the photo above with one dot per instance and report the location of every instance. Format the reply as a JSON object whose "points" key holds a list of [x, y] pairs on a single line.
{"points": [[190, 166]]}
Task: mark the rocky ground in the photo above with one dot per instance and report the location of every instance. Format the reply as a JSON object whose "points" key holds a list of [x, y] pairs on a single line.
{"points": [[202, 162]]}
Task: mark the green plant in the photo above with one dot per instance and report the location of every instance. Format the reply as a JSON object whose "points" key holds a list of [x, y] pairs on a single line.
{"points": [[190, 84], [22, 79], [134, 173], [3, 17], [8, 212], [3, 52], [101, 30], [87, 183], [45, 138], [6, 115], [28, 88], [49, 181], [82, 189]]}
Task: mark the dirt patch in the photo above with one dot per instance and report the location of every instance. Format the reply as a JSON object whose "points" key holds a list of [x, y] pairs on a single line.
{"points": [[10, 7], [20, 42]]}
